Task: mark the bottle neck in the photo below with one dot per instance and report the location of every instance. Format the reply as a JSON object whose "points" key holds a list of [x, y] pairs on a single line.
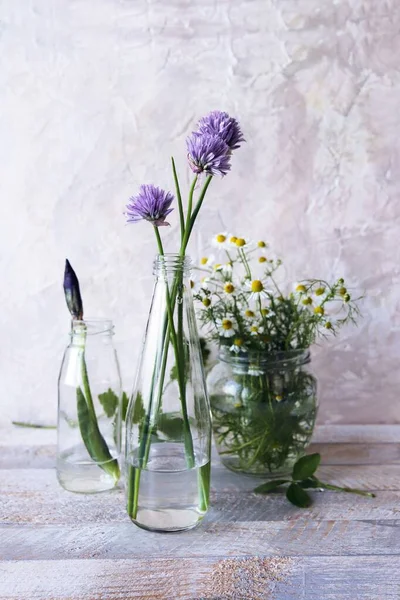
{"points": [[91, 331], [171, 266]]}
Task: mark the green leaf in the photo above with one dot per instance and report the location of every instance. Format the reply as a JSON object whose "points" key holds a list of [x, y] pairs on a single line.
{"points": [[109, 402], [92, 438], [310, 483], [173, 374], [138, 409], [297, 496], [124, 405], [270, 486], [170, 426], [306, 466]]}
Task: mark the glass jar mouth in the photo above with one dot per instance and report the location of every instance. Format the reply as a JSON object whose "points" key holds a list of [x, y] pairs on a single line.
{"points": [[92, 326], [267, 360], [170, 263]]}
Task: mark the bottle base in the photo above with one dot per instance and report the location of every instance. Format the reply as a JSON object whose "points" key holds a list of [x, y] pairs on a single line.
{"points": [[167, 521], [84, 478]]}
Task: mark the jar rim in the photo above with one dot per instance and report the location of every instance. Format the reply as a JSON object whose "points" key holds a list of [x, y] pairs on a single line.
{"points": [[92, 326], [300, 356]]}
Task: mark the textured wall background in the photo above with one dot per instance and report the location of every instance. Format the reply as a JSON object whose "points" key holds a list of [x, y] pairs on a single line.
{"points": [[96, 94]]}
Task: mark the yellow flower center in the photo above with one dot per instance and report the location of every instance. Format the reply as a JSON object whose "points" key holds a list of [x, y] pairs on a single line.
{"points": [[257, 286], [319, 310], [319, 291], [264, 312], [262, 259], [301, 288], [342, 291], [204, 260], [240, 242], [328, 325], [221, 238], [206, 302], [307, 301], [238, 342], [217, 266], [262, 244], [229, 288], [227, 324], [233, 239], [249, 314], [254, 329]]}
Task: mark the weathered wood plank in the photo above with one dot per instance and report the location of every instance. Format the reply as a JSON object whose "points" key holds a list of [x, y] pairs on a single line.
{"points": [[207, 578], [357, 434], [44, 457], [123, 540], [34, 496]]}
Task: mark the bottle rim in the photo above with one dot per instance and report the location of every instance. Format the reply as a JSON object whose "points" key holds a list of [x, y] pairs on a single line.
{"points": [[170, 263], [92, 326]]}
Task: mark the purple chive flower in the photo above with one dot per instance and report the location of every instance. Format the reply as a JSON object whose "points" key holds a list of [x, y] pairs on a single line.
{"points": [[72, 292], [220, 123], [208, 154], [151, 204]]}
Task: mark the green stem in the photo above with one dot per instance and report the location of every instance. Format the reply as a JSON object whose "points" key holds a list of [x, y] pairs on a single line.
{"points": [[193, 217], [336, 488], [179, 198]]}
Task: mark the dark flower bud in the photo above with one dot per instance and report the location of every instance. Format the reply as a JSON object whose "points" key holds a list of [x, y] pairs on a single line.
{"points": [[72, 292]]}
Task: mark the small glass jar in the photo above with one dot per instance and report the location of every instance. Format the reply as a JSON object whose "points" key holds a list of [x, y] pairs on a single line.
{"points": [[89, 411], [264, 409]]}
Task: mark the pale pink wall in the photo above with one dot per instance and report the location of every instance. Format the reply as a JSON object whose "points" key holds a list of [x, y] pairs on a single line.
{"points": [[96, 94]]}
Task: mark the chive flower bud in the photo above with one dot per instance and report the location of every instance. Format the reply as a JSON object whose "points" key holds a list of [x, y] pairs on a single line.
{"points": [[72, 292]]}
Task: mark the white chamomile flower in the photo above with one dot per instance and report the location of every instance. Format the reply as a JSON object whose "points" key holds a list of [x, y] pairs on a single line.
{"points": [[227, 269], [238, 345], [205, 282], [256, 330], [243, 244], [207, 261], [299, 288], [226, 326], [229, 288], [249, 314], [257, 289], [220, 240]]}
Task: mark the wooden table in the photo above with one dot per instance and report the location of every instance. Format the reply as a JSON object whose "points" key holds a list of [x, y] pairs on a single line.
{"points": [[57, 545]]}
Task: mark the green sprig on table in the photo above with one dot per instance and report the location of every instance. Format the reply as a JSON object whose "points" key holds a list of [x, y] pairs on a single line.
{"points": [[303, 478]]}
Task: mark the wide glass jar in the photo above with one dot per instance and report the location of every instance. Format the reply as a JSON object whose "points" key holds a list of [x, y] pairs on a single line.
{"points": [[89, 412], [168, 423], [264, 409]]}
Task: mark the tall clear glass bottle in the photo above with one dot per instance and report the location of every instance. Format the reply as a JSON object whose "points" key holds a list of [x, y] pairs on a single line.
{"points": [[168, 423], [89, 411]]}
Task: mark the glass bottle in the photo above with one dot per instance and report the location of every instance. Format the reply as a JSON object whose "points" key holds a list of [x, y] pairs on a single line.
{"points": [[89, 412], [168, 423], [264, 409]]}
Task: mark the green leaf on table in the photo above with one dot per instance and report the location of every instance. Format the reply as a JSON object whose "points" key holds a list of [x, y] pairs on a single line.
{"points": [[109, 401], [124, 405], [306, 466], [297, 496], [310, 483], [270, 486]]}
